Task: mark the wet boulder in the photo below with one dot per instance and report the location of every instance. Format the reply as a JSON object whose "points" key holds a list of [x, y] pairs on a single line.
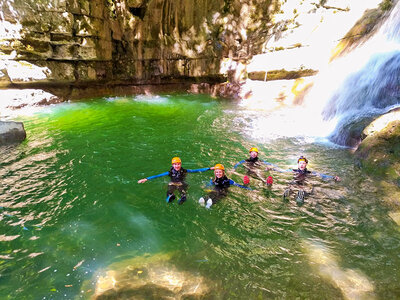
{"points": [[11, 132], [379, 150], [149, 277], [379, 153]]}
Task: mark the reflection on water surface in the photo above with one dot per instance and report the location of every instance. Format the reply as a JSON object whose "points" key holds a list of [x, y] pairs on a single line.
{"points": [[71, 208]]}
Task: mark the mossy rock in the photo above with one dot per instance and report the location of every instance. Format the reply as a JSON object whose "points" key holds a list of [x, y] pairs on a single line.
{"points": [[363, 29], [281, 74], [379, 152]]}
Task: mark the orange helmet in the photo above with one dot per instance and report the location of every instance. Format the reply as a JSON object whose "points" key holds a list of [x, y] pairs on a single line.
{"points": [[253, 149], [176, 160], [219, 167], [302, 158]]}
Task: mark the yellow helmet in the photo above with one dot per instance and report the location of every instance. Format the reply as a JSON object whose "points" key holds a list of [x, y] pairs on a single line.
{"points": [[302, 158], [253, 149], [219, 167], [176, 160]]}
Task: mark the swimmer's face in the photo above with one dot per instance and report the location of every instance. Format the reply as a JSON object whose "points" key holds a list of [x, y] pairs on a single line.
{"points": [[253, 154], [218, 173], [177, 166], [302, 165]]}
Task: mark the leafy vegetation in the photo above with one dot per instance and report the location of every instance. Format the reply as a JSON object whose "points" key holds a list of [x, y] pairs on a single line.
{"points": [[386, 5]]}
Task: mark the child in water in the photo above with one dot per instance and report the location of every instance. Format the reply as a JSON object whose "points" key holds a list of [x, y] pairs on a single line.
{"points": [[221, 184], [177, 175], [300, 174], [253, 164]]}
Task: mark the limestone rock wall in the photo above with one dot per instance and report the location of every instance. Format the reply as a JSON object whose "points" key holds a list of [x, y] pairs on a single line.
{"points": [[134, 41]]}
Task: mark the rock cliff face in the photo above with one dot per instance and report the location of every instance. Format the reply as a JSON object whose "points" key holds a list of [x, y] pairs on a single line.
{"points": [[125, 41]]}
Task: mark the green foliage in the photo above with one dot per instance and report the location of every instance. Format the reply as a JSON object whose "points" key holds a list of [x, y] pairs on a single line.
{"points": [[281, 74], [227, 6], [112, 9], [297, 45], [386, 5]]}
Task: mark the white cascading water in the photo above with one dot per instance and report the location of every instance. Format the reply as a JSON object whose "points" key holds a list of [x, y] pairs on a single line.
{"points": [[362, 85], [347, 94]]}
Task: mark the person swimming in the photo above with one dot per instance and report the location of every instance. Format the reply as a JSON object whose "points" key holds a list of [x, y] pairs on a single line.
{"points": [[299, 178], [177, 183], [253, 165], [220, 184]]}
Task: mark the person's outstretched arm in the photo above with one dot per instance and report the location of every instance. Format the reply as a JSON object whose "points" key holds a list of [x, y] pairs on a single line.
{"points": [[231, 182], [152, 177], [239, 163], [326, 177], [198, 170], [271, 166]]}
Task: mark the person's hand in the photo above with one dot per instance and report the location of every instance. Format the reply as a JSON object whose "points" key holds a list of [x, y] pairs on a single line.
{"points": [[337, 178], [142, 180], [212, 168], [268, 168]]}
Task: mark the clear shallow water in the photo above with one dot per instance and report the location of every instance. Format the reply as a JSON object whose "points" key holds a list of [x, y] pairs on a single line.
{"points": [[71, 205]]}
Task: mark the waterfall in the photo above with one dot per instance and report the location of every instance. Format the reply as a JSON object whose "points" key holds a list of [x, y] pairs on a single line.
{"points": [[361, 86]]}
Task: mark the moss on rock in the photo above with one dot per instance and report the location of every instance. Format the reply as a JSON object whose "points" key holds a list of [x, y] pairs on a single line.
{"points": [[281, 74], [362, 30], [379, 152]]}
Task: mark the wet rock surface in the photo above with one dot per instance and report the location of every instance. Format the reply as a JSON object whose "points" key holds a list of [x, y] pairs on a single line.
{"points": [[149, 277], [379, 154], [11, 132], [381, 145]]}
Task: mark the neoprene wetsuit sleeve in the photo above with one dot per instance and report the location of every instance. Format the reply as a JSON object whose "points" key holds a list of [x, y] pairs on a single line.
{"points": [[269, 164], [156, 176], [239, 185], [275, 168], [240, 162], [198, 170], [323, 176]]}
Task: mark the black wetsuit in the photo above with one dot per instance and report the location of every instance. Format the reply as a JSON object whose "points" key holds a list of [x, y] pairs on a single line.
{"points": [[253, 166], [221, 186], [252, 160], [300, 176], [177, 182]]}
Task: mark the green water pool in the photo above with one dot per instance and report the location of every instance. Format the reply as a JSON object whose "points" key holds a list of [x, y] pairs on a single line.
{"points": [[71, 206]]}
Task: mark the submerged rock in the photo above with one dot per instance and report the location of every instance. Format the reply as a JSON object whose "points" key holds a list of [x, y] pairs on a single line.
{"points": [[352, 283], [149, 277], [11, 132]]}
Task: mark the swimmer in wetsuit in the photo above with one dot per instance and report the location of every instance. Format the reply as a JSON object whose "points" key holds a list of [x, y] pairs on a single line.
{"points": [[299, 178], [221, 183], [177, 175], [253, 164]]}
